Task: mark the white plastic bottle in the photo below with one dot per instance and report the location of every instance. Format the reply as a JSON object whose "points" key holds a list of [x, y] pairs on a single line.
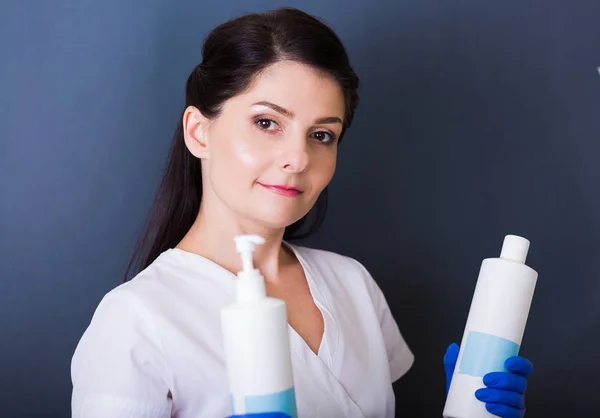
{"points": [[494, 327], [256, 340]]}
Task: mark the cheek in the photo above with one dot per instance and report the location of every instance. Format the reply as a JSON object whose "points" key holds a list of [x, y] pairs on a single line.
{"points": [[241, 144], [245, 154], [236, 157], [325, 171]]}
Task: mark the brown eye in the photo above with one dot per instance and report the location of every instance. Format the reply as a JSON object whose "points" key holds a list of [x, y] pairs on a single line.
{"points": [[322, 136], [266, 124]]}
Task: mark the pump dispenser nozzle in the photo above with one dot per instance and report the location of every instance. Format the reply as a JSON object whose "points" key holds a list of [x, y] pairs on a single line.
{"points": [[246, 245], [251, 284]]}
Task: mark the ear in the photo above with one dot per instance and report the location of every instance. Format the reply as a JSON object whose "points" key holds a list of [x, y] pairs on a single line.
{"points": [[195, 132]]}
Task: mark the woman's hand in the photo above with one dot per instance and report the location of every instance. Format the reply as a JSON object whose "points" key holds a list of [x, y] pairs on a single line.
{"points": [[504, 394]]}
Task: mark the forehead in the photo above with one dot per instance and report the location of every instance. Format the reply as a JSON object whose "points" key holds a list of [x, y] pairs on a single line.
{"points": [[298, 88]]}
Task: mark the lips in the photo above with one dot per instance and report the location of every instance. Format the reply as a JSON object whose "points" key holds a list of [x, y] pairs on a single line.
{"points": [[282, 190]]}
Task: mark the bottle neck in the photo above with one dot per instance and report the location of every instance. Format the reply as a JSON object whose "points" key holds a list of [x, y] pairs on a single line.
{"points": [[250, 287]]}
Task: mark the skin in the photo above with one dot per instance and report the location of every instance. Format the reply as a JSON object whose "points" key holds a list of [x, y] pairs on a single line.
{"points": [[253, 144]]}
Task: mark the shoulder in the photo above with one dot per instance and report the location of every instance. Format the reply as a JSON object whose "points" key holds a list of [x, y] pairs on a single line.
{"points": [[109, 367], [162, 292], [127, 303], [124, 318]]}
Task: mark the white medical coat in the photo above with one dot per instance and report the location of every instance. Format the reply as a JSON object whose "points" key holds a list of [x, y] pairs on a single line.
{"points": [[154, 346]]}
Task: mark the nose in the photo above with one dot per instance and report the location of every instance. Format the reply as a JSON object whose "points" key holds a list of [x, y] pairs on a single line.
{"points": [[294, 157]]}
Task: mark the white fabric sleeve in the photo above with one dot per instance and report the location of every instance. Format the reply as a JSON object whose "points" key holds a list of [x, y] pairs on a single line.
{"points": [[399, 354], [118, 369]]}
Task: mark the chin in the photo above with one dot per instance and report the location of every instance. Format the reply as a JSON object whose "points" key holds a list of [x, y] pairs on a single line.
{"points": [[278, 219]]}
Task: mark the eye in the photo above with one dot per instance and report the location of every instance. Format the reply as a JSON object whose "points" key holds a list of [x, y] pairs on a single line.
{"points": [[323, 136], [266, 124]]}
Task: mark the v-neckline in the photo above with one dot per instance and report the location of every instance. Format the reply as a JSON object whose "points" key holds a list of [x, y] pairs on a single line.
{"points": [[324, 352]]}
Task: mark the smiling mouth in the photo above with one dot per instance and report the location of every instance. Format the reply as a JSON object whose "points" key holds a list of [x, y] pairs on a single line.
{"points": [[282, 190]]}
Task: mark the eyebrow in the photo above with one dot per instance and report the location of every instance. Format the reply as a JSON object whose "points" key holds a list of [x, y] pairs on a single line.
{"points": [[287, 113]]}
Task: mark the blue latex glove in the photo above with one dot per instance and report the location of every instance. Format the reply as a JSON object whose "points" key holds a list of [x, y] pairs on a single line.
{"points": [[504, 395], [262, 415]]}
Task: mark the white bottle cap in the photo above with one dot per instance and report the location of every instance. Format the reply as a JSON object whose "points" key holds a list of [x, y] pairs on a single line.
{"points": [[515, 248]]}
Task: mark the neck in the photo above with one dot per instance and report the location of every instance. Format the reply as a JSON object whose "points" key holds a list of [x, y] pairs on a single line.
{"points": [[212, 236]]}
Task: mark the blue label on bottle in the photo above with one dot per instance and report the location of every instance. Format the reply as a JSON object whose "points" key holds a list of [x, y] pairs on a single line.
{"points": [[284, 402], [484, 353]]}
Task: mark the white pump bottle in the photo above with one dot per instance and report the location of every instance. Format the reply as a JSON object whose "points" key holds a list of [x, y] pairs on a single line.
{"points": [[494, 328], [256, 340]]}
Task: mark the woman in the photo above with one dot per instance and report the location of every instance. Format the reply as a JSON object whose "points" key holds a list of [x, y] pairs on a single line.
{"points": [[255, 150]]}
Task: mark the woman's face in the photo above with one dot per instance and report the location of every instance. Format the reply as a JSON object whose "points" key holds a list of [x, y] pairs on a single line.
{"points": [[272, 150]]}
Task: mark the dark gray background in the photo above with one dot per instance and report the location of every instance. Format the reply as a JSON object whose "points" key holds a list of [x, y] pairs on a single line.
{"points": [[478, 119]]}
